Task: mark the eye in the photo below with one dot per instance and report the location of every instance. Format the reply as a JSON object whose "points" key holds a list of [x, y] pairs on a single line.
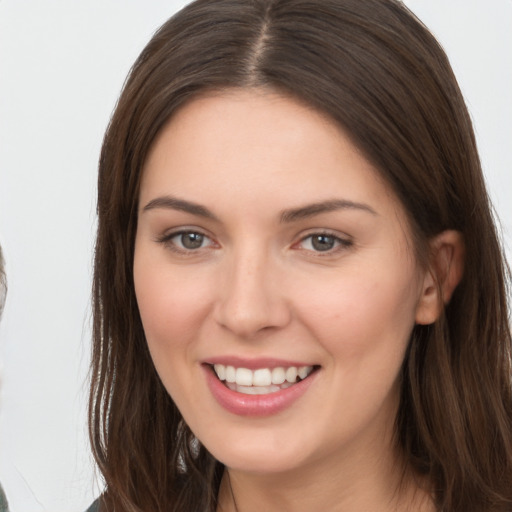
{"points": [[190, 240], [185, 241], [323, 242]]}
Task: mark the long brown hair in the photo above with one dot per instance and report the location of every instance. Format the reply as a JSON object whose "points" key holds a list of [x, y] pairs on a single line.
{"points": [[377, 71]]}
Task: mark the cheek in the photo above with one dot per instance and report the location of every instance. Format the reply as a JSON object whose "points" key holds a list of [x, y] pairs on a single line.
{"points": [[172, 302], [361, 311], [363, 320]]}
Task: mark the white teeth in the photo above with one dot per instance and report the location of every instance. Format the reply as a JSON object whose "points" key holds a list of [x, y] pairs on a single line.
{"points": [[257, 390], [230, 373], [262, 380], [248, 390], [291, 374], [303, 371], [262, 377], [278, 375], [220, 370], [243, 377]]}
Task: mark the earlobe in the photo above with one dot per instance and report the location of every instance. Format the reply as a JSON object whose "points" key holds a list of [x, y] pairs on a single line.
{"points": [[444, 273]]}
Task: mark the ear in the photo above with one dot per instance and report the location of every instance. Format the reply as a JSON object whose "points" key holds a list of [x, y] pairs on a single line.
{"points": [[445, 270]]}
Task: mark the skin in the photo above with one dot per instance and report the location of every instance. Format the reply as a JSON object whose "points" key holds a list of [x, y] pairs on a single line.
{"points": [[257, 287]]}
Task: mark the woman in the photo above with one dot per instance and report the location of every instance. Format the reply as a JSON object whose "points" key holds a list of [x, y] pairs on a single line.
{"points": [[299, 292]]}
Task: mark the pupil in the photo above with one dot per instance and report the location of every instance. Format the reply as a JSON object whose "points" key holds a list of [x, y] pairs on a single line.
{"points": [[192, 240], [323, 242]]}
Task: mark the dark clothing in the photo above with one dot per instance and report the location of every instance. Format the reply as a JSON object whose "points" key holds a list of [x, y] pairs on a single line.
{"points": [[3, 501], [93, 508]]}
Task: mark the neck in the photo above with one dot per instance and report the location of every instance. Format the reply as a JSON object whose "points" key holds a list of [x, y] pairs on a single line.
{"points": [[377, 484]]}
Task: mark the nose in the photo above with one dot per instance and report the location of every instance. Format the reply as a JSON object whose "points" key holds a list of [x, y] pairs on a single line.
{"points": [[251, 298]]}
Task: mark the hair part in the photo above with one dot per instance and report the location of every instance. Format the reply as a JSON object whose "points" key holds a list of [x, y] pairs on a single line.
{"points": [[379, 73]]}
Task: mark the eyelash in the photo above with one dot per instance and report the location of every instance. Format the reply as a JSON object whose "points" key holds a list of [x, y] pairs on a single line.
{"points": [[340, 244], [167, 241]]}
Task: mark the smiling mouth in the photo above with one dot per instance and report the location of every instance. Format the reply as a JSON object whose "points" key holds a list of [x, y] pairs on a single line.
{"points": [[263, 380]]}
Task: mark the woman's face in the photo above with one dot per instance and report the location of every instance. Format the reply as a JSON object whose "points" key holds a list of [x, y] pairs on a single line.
{"points": [[268, 250]]}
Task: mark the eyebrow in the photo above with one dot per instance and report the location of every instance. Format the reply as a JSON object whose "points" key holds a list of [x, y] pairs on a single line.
{"points": [[332, 205], [173, 203], [287, 216]]}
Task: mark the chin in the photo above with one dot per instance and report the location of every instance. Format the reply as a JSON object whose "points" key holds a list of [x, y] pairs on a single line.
{"points": [[258, 464], [259, 456]]}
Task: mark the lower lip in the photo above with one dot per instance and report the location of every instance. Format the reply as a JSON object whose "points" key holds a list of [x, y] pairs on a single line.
{"points": [[255, 405]]}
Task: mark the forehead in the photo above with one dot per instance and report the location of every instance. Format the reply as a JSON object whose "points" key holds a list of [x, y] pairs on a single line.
{"points": [[254, 144]]}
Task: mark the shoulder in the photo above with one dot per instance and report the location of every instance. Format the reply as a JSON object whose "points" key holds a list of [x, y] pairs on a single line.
{"points": [[3, 501], [94, 507]]}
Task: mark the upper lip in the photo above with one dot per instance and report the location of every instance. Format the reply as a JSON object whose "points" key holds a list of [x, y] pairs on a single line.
{"points": [[255, 363]]}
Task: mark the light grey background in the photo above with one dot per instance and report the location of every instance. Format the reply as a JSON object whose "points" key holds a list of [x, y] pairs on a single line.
{"points": [[62, 64]]}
